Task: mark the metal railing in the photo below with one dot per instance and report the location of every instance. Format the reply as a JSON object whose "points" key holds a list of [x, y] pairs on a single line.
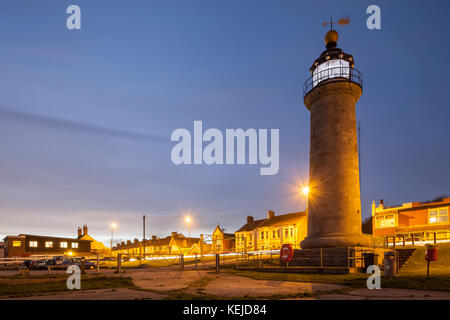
{"points": [[332, 75]]}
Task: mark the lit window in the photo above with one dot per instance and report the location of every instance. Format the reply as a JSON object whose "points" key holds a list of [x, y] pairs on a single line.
{"points": [[63, 244], [74, 244], [17, 243], [386, 221], [33, 244], [48, 244], [438, 215]]}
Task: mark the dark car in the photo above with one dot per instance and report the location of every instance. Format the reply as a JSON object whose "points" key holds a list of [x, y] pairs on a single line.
{"points": [[27, 264], [39, 264], [77, 261]]}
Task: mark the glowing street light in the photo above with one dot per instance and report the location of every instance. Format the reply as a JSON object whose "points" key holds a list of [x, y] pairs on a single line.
{"points": [[188, 220], [113, 226], [305, 192]]}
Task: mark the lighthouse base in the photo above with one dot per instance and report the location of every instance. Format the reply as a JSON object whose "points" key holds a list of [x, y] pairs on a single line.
{"points": [[334, 241]]}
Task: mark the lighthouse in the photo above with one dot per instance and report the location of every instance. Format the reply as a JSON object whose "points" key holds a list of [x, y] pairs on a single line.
{"points": [[334, 202]]}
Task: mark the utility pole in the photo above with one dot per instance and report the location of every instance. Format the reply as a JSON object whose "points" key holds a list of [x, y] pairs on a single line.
{"points": [[143, 242]]}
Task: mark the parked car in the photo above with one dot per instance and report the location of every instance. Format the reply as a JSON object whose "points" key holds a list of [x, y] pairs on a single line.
{"points": [[77, 261], [27, 264], [39, 264], [58, 260]]}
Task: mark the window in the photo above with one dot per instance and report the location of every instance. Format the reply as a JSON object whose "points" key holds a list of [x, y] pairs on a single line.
{"points": [[262, 234], [438, 215], [267, 234], [74, 244], [48, 244], [278, 233], [63, 244], [286, 233], [17, 243], [331, 69], [386, 221], [292, 232], [33, 244], [273, 233]]}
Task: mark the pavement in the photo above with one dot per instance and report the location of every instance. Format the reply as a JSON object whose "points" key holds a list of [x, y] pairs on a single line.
{"points": [[161, 283]]}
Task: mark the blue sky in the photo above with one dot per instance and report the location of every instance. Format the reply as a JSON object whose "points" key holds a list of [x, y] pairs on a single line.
{"points": [[86, 116]]}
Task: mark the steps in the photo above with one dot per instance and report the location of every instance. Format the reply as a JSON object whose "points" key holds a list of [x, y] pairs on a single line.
{"points": [[403, 256]]}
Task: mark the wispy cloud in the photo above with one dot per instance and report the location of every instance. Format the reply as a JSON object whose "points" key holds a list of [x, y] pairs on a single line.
{"points": [[57, 123]]}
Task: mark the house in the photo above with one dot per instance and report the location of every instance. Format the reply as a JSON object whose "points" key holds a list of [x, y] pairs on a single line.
{"points": [[2, 249], [221, 241], [175, 244], [272, 232], [179, 244], [96, 246], [25, 245], [413, 221]]}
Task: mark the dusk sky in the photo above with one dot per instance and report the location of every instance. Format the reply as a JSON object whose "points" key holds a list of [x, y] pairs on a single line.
{"points": [[86, 115]]}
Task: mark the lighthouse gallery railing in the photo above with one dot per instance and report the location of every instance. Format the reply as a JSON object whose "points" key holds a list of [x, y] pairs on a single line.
{"points": [[331, 75]]}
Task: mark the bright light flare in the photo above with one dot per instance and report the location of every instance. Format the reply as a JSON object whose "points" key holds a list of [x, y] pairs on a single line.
{"points": [[305, 190]]}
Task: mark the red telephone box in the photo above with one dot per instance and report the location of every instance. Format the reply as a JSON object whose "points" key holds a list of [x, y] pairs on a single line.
{"points": [[286, 253]]}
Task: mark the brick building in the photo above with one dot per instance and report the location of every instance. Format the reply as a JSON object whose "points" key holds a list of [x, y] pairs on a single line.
{"points": [[25, 245], [221, 241], [413, 221]]}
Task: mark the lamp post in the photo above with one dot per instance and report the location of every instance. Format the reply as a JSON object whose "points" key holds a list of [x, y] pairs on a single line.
{"points": [[113, 226], [188, 221]]}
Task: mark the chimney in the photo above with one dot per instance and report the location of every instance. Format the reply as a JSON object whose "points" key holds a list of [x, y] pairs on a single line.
{"points": [[79, 232], [174, 233], [122, 243], [136, 240], [85, 229], [128, 241], [270, 214], [249, 219], [153, 238]]}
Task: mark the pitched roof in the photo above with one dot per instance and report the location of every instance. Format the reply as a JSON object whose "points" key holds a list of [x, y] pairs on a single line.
{"points": [[252, 225], [276, 220]]}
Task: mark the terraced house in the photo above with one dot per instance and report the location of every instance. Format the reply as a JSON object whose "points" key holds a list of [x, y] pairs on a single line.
{"points": [[413, 221], [272, 232], [176, 243]]}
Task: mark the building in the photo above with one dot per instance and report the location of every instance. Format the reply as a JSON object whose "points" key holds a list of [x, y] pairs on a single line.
{"points": [[176, 243], [334, 203], [2, 249], [222, 242], [272, 232], [25, 245], [96, 246], [413, 221]]}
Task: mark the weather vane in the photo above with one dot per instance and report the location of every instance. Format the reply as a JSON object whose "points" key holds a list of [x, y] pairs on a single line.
{"points": [[342, 22]]}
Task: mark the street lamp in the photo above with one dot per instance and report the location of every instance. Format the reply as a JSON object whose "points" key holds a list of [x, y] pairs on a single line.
{"points": [[188, 221], [305, 192], [113, 226]]}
